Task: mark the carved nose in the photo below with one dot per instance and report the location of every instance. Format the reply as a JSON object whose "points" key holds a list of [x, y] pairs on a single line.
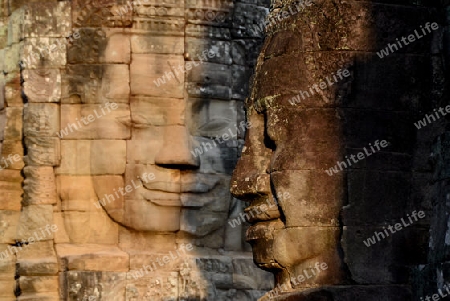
{"points": [[247, 181], [177, 149]]}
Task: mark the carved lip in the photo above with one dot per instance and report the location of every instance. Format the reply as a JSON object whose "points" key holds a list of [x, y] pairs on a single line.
{"points": [[263, 230], [257, 213]]}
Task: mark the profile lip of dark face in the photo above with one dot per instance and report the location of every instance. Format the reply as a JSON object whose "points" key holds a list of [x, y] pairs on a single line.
{"points": [[261, 220]]}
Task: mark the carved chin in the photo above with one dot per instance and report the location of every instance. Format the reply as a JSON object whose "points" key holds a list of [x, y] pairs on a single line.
{"points": [[261, 236]]}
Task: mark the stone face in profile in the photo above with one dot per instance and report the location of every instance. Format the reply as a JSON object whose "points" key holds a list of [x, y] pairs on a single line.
{"points": [[329, 64]]}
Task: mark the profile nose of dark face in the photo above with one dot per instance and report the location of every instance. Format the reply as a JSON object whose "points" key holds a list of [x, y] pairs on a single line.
{"points": [[247, 182], [176, 151], [250, 179]]}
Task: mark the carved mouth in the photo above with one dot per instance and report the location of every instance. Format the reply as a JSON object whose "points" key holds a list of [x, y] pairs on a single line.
{"points": [[256, 214], [263, 230], [262, 209]]}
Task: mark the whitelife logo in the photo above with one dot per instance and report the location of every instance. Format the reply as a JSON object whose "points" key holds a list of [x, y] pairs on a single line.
{"points": [[205, 147], [244, 217], [438, 296], [108, 198], [87, 120], [322, 85], [45, 231], [342, 165], [391, 48], [307, 274], [378, 236], [429, 118]]}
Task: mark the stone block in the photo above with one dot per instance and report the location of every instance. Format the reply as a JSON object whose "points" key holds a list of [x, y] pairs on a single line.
{"points": [[384, 260], [3, 37], [361, 32], [371, 96], [247, 276], [213, 51], [11, 187], [49, 19], [2, 124], [96, 157], [118, 48], [60, 236], [240, 83], [43, 151], [368, 205], [34, 219], [327, 293], [116, 83], [98, 285], [13, 89], [12, 155], [89, 84], [143, 215], [42, 85], [161, 286], [152, 111], [7, 262], [201, 222], [88, 48], [76, 193], [209, 81], [247, 19], [209, 13], [13, 129], [90, 227], [37, 259], [145, 144], [12, 57], [108, 13], [157, 75], [92, 257], [245, 52], [16, 26], [164, 179], [142, 44], [7, 289], [39, 284], [201, 31], [176, 149], [209, 152], [89, 121], [306, 186], [133, 241], [2, 89], [42, 120], [39, 186], [39, 297], [44, 52], [211, 118], [315, 145]]}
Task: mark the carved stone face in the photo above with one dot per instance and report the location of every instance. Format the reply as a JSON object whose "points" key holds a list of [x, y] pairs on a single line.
{"points": [[298, 135], [285, 154], [276, 171], [158, 139]]}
